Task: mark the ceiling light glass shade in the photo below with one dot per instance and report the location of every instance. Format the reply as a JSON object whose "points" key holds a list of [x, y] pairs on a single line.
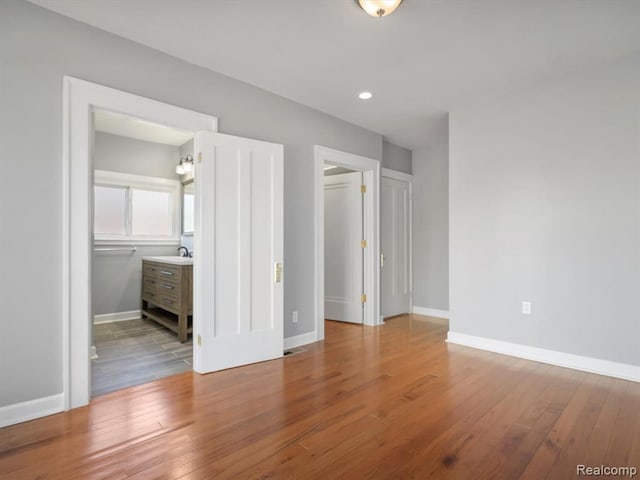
{"points": [[180, 169], [187, 167], [365, 95], [379, 8]]}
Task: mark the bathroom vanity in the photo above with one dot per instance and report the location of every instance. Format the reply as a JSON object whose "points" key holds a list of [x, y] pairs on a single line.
{"points": [[167, 293]]}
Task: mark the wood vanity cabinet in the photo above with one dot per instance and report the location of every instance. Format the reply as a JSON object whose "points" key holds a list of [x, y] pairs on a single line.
{"points": [[167, 295]]}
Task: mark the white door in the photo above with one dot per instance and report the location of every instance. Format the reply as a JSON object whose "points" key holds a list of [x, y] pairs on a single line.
{"points": [[238, 290], [395, 222], [343, 274]]}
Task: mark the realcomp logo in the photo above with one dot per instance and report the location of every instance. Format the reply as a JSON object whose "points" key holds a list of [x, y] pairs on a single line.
{"points": [[605, 471]]}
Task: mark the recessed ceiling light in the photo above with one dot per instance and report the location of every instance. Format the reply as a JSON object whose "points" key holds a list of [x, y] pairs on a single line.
{"points": [[365, 95]]}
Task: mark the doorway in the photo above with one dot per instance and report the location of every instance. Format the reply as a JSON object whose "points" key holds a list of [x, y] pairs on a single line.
{"points": [[239, 189], [344, 244], [142, 214], [369, 169], [395, 243], [81, 98]]}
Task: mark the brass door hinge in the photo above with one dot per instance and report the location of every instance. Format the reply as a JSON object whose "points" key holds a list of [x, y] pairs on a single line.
{"points": [[363, 298], [277, 272], [199, 157], [363, 188], [199, 340], [363, 243]]}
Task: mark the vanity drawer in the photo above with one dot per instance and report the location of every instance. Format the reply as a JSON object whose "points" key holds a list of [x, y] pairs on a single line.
{"points": [[149, 282], [149, 294], [161, 270], [167, 288], [168, 302]]}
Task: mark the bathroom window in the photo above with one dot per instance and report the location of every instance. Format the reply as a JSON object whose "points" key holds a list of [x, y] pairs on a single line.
{"points": [[136, 209], [188, 199]]}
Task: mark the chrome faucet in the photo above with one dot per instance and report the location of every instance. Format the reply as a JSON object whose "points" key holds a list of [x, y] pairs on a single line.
{"points": [[186, 251]]}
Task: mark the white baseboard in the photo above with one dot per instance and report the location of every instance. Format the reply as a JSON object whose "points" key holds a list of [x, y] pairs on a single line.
{"points": [[430, 312], [552, 357], [117, 317], [299, 340], [25, 411]]}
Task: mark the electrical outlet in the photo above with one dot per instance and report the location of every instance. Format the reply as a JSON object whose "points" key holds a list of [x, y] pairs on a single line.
{"points": [[294, 317], [526, 308]]}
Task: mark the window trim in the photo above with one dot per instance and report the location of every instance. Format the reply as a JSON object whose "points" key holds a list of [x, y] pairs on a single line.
{"points": [[127, 180]]}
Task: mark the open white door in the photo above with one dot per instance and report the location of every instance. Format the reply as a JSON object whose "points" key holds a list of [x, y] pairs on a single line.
{"points": [[238, 289], [343, 234], [395, 220]]}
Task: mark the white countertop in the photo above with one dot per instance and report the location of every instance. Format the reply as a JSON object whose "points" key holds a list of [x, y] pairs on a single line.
{"points": [[175, 260]]}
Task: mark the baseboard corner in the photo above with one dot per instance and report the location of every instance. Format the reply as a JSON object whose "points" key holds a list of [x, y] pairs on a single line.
{"points": [[435, 313], [300, 340], [31, 409]]}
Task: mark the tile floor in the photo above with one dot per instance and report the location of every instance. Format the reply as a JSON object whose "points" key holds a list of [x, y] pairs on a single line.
{"points": [[135, 352]]}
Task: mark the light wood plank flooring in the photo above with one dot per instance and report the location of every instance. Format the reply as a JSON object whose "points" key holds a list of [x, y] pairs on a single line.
{"points": [[133, 352], [393, 402]]}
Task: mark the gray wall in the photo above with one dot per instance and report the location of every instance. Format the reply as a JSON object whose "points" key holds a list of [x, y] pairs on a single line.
{"points": [[431, 226], [129, 155], [396, 158], [117, 276], [37, 48], [545, 207]]}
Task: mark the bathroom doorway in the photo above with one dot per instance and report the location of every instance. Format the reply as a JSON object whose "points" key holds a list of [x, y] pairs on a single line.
{"points": [[142, 266], [238, 183]]}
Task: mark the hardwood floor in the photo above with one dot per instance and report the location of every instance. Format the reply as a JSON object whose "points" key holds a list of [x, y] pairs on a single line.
{"points": [[134, 352], [394, 402]]}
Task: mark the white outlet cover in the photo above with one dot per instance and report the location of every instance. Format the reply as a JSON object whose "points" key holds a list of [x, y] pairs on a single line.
{"points": [[294, 317], [526, 308]]}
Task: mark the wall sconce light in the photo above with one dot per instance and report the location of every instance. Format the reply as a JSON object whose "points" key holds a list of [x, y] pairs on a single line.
{"points": [[185, 165], [379, 8]]}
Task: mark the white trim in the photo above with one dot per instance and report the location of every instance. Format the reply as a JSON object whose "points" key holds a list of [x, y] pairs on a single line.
{"points": [[299, 340], [107, 177], [25, 411], [80, 99], [117, 317], [397, 175], [552, 357], [371, 169], [430, 312], [65, 309], [151, 242]]}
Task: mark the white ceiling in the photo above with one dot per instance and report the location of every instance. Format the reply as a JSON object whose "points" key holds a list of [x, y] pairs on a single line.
{"points": [[125, 126], [420, 62]]}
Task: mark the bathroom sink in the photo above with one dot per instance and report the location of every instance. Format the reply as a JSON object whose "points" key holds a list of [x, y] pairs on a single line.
{"points": [[171, 259]]}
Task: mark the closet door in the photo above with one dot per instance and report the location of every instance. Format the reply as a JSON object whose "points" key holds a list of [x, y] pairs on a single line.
{"points": [[238, 270], [395, 224], [343, 251]]}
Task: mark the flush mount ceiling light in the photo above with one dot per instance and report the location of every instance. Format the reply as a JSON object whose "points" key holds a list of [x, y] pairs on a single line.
{"points": [[379, 8], [365, 95], [185, 165]]}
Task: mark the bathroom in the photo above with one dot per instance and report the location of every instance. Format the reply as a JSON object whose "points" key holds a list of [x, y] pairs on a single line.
{"points": [[143, 223]]}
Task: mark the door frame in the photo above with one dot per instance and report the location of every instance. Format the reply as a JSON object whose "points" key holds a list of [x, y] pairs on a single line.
{"points": [[80, 99], [371, 170], [406, 178]]}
